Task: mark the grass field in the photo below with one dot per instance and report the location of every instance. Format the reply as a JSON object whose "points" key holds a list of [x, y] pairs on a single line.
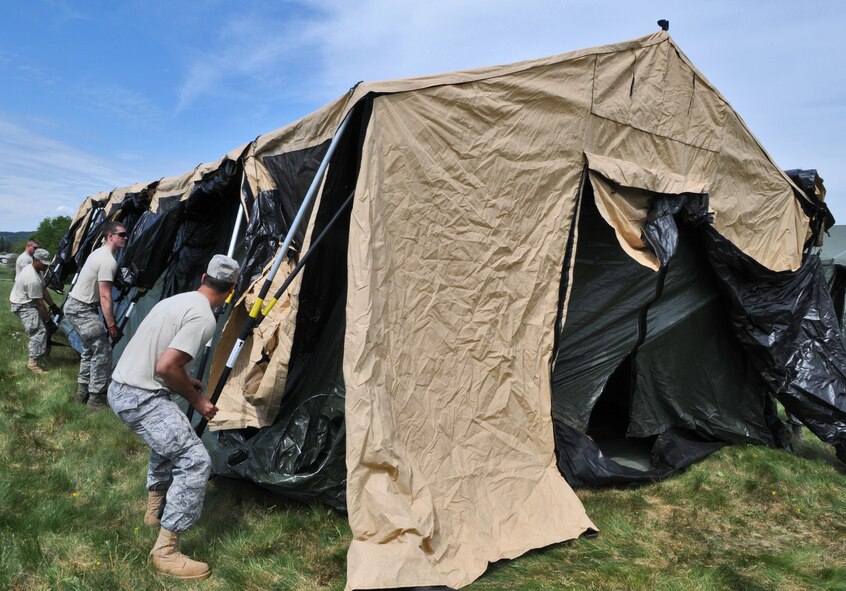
{"points": [[72, 498]]}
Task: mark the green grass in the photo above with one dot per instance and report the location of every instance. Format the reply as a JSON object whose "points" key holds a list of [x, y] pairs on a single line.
{"points": [[72, 497]]}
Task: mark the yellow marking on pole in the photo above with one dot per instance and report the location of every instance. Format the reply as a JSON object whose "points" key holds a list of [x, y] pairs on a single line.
{"points": [[256, 307], [269, 306]]}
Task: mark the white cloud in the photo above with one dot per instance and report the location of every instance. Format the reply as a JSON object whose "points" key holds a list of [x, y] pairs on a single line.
{"points": [[40, 176], [122, 102], [250, 57]]}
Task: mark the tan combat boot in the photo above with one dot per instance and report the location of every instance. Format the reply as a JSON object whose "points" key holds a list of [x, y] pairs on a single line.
{"points": [[169, 560], [155, 504], [32, 365]]}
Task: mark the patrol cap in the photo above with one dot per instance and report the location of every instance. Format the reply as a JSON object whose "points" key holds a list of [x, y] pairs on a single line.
{"points": [[223, 268], [42, 255]]}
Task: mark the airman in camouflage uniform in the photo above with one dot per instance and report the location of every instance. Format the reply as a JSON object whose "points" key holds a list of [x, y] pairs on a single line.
{"points": [[91, 295], [27, 299], [153, 366]]}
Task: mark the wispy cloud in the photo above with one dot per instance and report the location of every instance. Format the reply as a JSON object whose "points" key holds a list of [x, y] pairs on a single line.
{"points": [[118, 101], [251, 57], [126, 104], [41, 176]]}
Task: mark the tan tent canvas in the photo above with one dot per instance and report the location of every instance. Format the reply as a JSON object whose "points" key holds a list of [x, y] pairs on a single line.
{"points": [[466, 193]]}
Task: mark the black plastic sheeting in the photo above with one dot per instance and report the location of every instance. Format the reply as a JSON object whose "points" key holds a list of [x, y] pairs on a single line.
{"points": [[788, 324], [128, 212], [273, 212], [180, 237], [147, 252], [648, 376], [302, 456], [837, 289], [585, 464], [65, 262], [820, 217], [205, 231]]}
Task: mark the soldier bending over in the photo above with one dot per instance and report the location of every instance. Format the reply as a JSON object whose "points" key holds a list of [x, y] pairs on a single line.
{"points": [[152, 367]]}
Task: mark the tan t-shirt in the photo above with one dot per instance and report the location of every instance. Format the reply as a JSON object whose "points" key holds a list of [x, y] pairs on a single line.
{"points": [[29, 285], [100, 266], [21, 262], [184, 322]]}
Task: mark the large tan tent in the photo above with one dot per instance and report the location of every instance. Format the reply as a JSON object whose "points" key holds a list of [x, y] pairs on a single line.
{"points": [[437, 368], [467, 192]]}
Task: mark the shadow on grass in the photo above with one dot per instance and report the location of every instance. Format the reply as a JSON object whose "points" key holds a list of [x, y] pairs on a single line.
{"points": [[228, 501], [819, 451]]}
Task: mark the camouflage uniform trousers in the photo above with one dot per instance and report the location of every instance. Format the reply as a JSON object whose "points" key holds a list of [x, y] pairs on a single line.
{"points": [[34, 329], [179, 463], [95, 368]]}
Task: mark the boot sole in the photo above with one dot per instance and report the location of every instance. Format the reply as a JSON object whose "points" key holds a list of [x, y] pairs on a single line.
{"points": [[192, 578], [184, 577]]}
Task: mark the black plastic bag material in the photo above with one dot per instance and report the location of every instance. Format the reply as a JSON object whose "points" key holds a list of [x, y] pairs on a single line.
{"points": [[66, 261], [149, 248], [649, 376], [128, 212], [302, 456], [788, 325], [273, 211], [811, 200]]}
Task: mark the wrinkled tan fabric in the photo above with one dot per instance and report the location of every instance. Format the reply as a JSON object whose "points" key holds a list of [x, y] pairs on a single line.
{"points": [[252, 395], [624, 194], [456, 248]]}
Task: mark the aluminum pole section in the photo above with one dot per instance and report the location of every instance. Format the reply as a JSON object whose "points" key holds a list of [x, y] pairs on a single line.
{"points": [[257, 305], [204, 357], [250, 326]]}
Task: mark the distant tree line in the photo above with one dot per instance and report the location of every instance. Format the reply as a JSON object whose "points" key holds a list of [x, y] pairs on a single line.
{"points": [[50, 232]]}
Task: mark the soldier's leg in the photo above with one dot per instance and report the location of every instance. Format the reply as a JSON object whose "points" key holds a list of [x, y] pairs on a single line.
{"points": [[96, 364], [35, 331], [165, 428], [159, 472], [78, 315], [191, 469], [84, 367], [101, 362], [159, 477]]}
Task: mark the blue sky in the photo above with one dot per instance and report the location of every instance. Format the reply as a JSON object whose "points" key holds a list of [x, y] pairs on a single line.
{"points": [[102, 94]]}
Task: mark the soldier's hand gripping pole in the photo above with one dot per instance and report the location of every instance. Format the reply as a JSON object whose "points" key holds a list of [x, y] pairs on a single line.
{"points": [[252, 320]]}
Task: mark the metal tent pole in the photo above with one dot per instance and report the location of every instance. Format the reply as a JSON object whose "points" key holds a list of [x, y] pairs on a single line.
{"points": [[204, 357], [252, 320]]}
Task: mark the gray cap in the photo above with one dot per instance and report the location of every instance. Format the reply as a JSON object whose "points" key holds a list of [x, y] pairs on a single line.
{"points": [[223, 268], [42, 255]]}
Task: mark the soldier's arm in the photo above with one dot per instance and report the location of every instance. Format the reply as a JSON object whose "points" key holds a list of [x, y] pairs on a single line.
{"points": [[48, 299], [42, 309], [106, 302], [171, 368]]}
